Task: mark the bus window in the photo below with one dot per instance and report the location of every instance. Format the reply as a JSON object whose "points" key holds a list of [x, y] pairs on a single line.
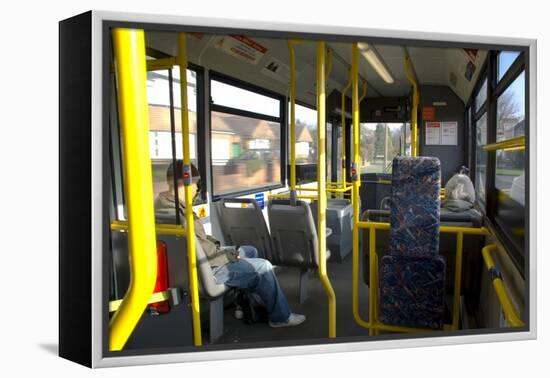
{"points": [[245, 139], [481, 97], [329, 151], [481, 156], [505, 60], [511, 110], [306, 135], [380, 143], [160, 135]]}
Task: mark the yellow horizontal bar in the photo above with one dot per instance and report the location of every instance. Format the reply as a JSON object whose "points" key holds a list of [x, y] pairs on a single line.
{"points": [[518, 148], [507, 306], [286, 195], [332, 190], [442, 229], [340, 190], [161, 64], [156, 64], [516, 142], [298, 189], [156, 297], [161, 229]]}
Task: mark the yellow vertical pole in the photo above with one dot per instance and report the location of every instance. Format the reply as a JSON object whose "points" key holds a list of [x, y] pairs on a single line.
{"points": [[131, 74], [414, 111], [373, 267], [292, 57], [321, 187], [458, 279], [181, 60], [344, 129], [354, 77]]}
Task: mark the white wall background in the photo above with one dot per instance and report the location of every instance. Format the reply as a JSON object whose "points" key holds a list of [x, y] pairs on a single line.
{"points": [[29, 189]]}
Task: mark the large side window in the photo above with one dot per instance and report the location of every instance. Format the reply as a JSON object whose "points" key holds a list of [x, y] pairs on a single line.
{"points": [[165, 138], [479, 108], [481, 157], [162, 142], [306, 135], [510, 180], [246, 134]]}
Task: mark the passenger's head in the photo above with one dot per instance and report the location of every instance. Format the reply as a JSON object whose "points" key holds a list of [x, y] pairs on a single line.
{"points": [[196, 181]]}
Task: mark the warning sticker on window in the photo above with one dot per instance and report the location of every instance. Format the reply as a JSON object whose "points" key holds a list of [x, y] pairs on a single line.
{"points": [[242, 47]]}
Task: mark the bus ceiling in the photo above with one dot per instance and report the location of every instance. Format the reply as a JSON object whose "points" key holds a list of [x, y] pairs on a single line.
{"points": [[381, 65]]}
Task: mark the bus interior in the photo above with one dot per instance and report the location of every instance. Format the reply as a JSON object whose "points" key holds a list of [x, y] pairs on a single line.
{"points": [[297, 139]]}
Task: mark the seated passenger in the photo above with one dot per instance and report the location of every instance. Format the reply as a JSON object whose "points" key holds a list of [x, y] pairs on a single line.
{"points": [[459, 193], [237, 267]]}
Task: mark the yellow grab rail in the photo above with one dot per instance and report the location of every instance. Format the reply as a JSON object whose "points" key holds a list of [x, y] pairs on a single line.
{"points": [[374, 324], [287, 195], [321, 188], [512, 144], [131, 74], [364, 92], [292, 57], [343, 120], [507, 306], [181, 59], [355, 193], [161, 229], [414, 111], [155, 298]]}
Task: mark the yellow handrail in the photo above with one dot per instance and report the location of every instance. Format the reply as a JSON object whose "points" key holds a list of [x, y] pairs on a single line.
{"points": [[512, 144], [374, 324], [507, 306], [355, 194], [343, 120], [414, 111], [155, 298], [321, 188], [131, 74], [181, 59], [287, 195], [292, 58], [161, 229], [161, 64], [364, 92]]}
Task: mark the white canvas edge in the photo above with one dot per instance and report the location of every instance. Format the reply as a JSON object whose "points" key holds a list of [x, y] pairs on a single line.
{"points": [[97, 118]]}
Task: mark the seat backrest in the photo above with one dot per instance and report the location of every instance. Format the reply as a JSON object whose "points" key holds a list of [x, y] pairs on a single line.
{"points": [[243, 223], [414, 219], [208, 286], [293, 233]]}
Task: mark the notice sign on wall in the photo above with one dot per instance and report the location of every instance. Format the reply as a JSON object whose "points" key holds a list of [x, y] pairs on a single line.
{"points": [[449, 133], [433, 133], [441, 133]]}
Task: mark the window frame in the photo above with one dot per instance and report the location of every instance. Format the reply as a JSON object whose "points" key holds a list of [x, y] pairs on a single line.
{"points": [[281, 120], [201, 134], [495, 89]]}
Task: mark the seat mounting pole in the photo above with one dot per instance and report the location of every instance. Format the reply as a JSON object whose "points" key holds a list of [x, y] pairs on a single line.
{"points": [[321, 186], [181, 60]]}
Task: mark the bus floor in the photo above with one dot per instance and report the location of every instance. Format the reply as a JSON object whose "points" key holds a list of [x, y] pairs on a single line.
{"points": [[315, 307]]}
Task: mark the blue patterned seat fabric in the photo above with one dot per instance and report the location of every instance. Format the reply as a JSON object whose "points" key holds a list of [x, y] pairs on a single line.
{"points": [[412, 277], [415, 206], [412, 291]]}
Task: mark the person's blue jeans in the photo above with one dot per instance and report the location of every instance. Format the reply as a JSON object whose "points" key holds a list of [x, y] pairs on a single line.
{"points": [[256, 274]]}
